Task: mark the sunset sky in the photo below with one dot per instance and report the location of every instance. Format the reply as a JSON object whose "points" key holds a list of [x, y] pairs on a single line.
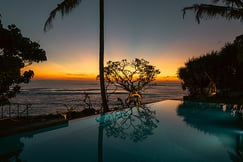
{"points": [[149, 29]]}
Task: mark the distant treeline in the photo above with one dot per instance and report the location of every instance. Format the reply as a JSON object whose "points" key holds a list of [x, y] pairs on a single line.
{"points": [[218, 72]]}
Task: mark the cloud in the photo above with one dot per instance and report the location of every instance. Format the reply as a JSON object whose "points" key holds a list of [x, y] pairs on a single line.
{"points": [[79, 74]]}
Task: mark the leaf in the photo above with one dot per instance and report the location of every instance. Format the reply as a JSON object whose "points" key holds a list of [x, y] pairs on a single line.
{"points": [[64, 8]]}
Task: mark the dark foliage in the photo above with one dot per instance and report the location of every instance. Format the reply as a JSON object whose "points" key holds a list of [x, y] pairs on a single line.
{"points": [[64, 7], [229, 9], [131, 76], [223, 68], [16, 52]]}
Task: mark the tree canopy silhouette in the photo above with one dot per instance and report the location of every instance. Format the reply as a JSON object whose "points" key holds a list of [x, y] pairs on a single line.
{"points": [[16, 52], [131, 76], [230, 9], [66, 7], [223, 68]]}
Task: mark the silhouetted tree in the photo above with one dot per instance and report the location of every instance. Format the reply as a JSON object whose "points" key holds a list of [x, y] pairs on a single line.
{"points": [[195, 75], [66, 7], [16, 52], [230, 9], [131, 76], [232, 64], [223, 68]]}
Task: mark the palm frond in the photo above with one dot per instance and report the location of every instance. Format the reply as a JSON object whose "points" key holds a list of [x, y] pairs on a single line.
{"points": [[64, 8], [211, 11], [237, 3]]}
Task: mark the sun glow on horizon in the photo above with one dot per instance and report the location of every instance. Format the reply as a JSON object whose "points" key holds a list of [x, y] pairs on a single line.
{"points": [[50, 70], [83, 64], [93, 78]]}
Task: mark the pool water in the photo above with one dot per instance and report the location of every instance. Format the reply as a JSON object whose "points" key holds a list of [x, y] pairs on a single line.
{"points": [[164, 131]]}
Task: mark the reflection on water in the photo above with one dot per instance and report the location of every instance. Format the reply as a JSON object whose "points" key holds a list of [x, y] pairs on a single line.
{"points": [[134, 124], [164, 131], [218, 120], [12, 146]]}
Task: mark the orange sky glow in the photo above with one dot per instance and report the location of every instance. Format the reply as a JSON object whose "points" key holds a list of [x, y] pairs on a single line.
{"points": [[80, 67], [159, 35], [52, 71]]}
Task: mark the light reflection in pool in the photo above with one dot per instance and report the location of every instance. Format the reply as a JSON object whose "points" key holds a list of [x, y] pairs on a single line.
{"points": [[164, 131]]}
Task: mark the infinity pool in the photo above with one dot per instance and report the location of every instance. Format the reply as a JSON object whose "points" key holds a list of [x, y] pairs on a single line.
{"points": [[163, 131]]}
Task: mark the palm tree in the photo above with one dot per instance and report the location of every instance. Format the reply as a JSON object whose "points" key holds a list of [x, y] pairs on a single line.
{"points": [[230, 9], [66, 7], [1, 26]]}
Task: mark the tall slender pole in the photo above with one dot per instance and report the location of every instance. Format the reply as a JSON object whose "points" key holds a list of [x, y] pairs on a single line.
{"points": [[101, 63]]}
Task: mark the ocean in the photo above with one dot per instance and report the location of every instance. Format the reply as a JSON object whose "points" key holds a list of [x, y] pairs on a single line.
{"points": [[50, 96]]}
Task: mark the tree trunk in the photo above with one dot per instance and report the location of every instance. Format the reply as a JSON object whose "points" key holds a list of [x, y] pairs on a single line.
{"points": [[100, 138], [101, 59]]}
